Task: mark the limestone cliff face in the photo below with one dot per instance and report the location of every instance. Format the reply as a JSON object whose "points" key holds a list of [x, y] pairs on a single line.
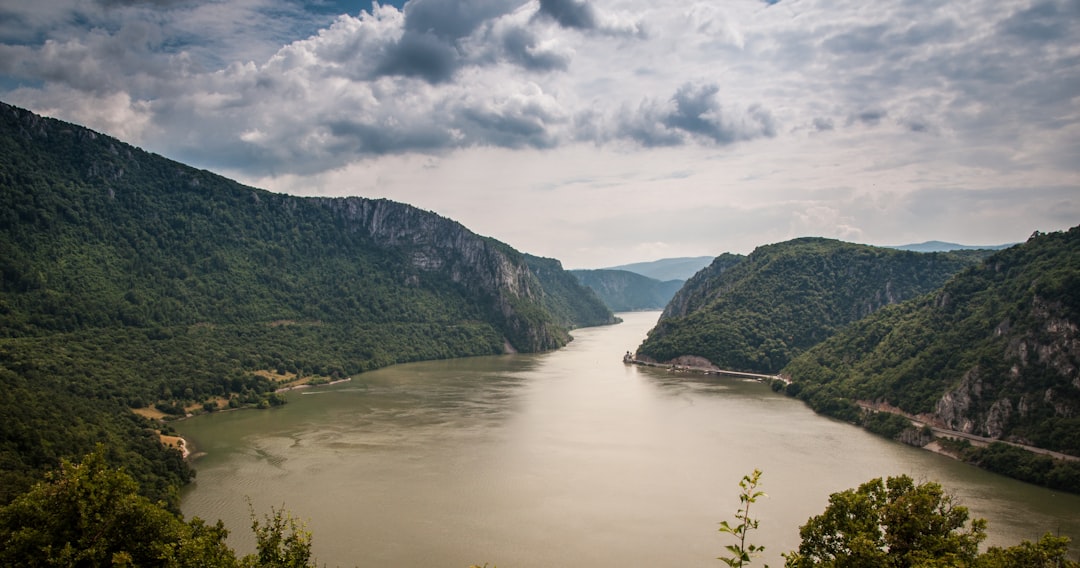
{"points": [[1040, 377], [203, 232], [500, 277]]}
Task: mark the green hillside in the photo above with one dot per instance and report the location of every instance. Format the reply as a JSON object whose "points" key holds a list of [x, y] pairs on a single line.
{"points": [[995, 352], [756, 313], [625, 291], [128, 280]]}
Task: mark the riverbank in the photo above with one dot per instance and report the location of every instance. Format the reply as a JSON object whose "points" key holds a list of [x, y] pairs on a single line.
{"points": [[924, 432]]}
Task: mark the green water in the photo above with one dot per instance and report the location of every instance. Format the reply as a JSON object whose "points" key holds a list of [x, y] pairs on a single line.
{"points": [[559, 459]]}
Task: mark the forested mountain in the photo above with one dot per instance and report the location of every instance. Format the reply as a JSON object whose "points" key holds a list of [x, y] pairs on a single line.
{"points": [[625, 291], [701, 288], [129, 280], [756, 313], [995, 352], [666, 269]]}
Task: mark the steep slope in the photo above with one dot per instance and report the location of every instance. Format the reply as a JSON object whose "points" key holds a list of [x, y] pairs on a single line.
{"points": [[995, 352], [755, 314], [625, 291], [666, 269], [701, 288], [127, 279]]}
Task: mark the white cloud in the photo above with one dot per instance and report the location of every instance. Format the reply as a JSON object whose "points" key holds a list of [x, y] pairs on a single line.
{"points": [[593, 130]]}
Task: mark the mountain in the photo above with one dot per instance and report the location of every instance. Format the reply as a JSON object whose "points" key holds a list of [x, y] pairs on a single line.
{"points": [[128, 280], [667, 268], [939, 246], [700, 288], [755, 313], [994, 352], [625, 291]]}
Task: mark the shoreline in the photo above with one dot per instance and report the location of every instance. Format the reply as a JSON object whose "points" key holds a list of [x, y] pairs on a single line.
{"points": [[932, 446], [181, 444]]}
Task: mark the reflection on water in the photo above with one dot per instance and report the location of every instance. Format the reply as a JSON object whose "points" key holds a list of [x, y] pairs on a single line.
{"points": [[560, 458]]}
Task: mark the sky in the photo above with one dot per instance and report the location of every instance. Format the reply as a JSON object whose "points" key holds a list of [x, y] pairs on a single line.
{"points": [[597, 132]]}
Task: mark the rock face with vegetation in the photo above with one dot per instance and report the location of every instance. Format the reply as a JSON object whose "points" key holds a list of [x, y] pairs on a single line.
{"points": [[625, 291], [130, 280], [756, 313], [995, 352]]}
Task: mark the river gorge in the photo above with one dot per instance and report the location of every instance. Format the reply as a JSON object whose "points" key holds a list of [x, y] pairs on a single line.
{"points": [[563, 458]]}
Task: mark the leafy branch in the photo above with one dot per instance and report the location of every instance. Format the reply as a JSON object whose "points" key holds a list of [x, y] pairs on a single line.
{"points": [[742, 552]]}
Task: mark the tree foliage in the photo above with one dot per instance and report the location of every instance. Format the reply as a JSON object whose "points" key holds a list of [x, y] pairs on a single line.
{"points": [[742, 552], [90, 514], [128, 280], [993, 352], [757, 313], [891, 523]]}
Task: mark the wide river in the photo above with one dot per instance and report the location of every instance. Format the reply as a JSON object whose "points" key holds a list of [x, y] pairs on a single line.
{"points": [[568, 458]]}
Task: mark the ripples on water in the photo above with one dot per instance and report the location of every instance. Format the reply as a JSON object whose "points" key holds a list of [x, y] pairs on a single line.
{"points": [[561, 458]]}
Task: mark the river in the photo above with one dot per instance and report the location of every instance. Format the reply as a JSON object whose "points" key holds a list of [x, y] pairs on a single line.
{"points": [[568, 458]]}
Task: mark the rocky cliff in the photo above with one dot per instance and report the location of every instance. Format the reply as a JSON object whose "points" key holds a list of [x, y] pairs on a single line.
{"points": [[995, 352]]}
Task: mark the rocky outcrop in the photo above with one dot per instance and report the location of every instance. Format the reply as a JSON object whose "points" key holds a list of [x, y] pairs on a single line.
{"points": [[500, 277], [1042, 349]]}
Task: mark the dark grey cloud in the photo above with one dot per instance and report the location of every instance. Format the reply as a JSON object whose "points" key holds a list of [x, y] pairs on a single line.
{"points": [[1044, 21], [695, 112], [521, 46], [352, 137], [869, 117], [570, 13], [453, 19], [421, 55]]}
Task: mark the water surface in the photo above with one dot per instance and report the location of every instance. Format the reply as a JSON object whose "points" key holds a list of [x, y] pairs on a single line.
{"points": [[563, 458]]}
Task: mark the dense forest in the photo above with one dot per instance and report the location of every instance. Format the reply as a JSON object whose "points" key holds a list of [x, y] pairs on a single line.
{"points": [[756, 313], [131, 281], [625, 291], [994, 352]]}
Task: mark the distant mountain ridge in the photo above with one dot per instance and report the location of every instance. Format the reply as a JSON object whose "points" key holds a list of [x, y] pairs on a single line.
{"points": [[940, 246], [625, 291], [665, 269]]}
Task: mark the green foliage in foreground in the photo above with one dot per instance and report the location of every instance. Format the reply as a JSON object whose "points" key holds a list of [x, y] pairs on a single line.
{"points": [[891, 523], [89, 514], [894, 523], [742, 552]]}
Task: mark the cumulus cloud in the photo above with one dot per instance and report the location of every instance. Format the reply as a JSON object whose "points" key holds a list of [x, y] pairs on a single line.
{"points": [[569, 13], [694, 112], [278, 87]]}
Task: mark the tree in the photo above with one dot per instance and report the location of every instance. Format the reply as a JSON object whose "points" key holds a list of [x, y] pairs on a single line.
{"points": [[88, 514], [742, 552], [893, 523], [281, 542], [1050, 552]]}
